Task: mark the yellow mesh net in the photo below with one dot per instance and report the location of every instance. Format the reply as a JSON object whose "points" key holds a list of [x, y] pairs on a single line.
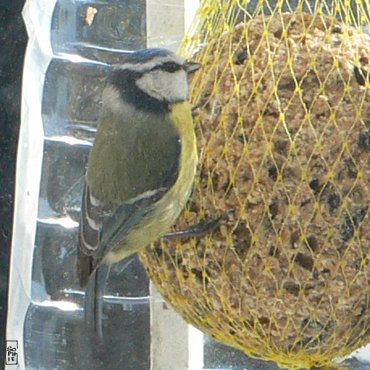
{"points": [[284, 141]]}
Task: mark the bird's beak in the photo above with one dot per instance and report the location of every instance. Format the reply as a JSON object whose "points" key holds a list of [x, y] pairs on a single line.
{"points": [[191, 67]]}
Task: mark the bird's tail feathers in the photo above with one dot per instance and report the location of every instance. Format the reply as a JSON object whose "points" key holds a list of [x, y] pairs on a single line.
{"points": [[94, 300]]}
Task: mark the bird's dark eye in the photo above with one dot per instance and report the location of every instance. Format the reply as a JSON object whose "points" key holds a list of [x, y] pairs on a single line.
{"points": [[170, 67]]}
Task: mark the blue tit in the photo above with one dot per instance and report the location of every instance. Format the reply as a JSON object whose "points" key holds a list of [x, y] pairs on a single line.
{"points": [[140, 170]]}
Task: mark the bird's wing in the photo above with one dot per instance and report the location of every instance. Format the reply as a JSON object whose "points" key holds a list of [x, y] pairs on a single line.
{"points": [[100, 229], [91, 220], [102, 226]]}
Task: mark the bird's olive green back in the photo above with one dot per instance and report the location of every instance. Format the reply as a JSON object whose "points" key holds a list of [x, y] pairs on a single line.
{"points": [[146, 151]]}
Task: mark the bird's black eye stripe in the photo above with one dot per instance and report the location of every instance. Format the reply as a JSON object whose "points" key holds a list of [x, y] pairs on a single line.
{"points": [[169, 67]]}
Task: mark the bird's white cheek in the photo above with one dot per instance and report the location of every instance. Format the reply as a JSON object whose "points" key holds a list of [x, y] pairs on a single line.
{"points": [[148, 83], [177, 86], [162, 85]]}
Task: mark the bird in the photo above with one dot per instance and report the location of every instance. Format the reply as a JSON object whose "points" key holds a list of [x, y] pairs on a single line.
{"points": [[140, 170]]}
